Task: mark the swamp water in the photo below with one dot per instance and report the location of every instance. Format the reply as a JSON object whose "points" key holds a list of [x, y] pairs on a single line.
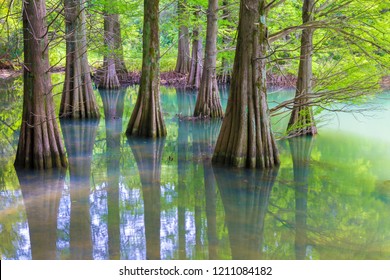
{"points": [[142, 199]]}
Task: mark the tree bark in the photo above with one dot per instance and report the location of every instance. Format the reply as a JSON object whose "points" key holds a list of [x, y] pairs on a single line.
{"points": [[302, 120], [226, 64], [40, 145], [120, 65], [208, 103], [78, 99], [110, 78], [183, 49], [196, 67], [246, 139], [147, 119]]}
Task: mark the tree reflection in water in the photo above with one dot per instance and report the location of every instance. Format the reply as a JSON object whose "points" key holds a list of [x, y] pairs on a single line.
{"points": [[300, 148], [113, 104], [79, 138], [245, 196], [148, 155], [41, 194]]}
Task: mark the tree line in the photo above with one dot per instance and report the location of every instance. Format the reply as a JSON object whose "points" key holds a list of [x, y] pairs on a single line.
{"points": [[344, 42]]}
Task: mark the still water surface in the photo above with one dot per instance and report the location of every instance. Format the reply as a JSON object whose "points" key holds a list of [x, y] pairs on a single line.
{"points": [[142, 199]]}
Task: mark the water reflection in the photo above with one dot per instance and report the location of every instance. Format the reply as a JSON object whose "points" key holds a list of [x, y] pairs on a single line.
{"points": [[113, 104], [41, 194], [79, 138], [148, 155], [301, 148], [245, 195]]}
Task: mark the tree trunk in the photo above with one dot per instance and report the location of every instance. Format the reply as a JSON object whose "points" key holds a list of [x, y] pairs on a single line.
{"points": [[110, 78], [148, 156], [79, 136], [208, 103], [196, 67], [226, 64], [40, 144], [302, 120], [246, 139], [183, 49], [78, 99], [147, 119], [120, 65]]}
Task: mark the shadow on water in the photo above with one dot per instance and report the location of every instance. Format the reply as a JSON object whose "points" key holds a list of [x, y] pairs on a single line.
{"points": [[79, 138], [148, 155], [42, 192], [245, 196]]}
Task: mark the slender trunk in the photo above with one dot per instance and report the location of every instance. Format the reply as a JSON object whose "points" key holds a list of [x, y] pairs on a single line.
{"points": [[147, 119], [120, 65], [208, 103], [78, 99], [110, 78], [246, 139], [196, 67], [40, 145], [226, 64], [302, 120], [183, 49]]}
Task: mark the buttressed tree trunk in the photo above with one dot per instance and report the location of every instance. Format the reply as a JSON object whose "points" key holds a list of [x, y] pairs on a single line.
{"points": [[196, 67], [40, 144], [78, 99], [147, 119], [183, 49], [109, 79], [208, 103], [246, 139], [302, 120]]}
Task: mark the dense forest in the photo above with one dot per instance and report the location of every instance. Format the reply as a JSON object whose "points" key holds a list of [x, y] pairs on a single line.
{"points": [[194, 129], [329, 51]]}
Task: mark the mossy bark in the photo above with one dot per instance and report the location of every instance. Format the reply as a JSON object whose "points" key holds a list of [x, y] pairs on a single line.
{"points": [[147, 118], [208, 103], [246, 138], [40, 145], [302, 120], [196, 67], [78, 99]]}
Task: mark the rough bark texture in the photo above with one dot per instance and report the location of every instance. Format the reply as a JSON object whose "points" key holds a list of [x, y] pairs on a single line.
{"points": [[208, 103], [78, 99], [245, 196], [40, 145], [113, 103], [110, 78], [79, 136], [183, 49], [246, 139], [147, 119], [302, 120], [41, 196], [120, 65], [300, 148], [196, 67], [148, 157]]}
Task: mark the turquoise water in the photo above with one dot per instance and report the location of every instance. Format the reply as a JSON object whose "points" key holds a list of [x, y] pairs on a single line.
{"points": [[142, 199]]}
